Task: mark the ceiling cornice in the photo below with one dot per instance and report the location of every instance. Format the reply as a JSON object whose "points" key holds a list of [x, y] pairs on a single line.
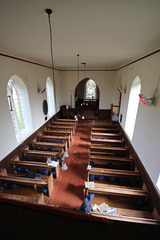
{"points": [[75, 70]]}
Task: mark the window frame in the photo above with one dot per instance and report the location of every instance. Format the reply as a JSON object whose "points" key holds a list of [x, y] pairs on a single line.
{"points": [[86, 89], [50, 97], [16, 86], [132, 109]]}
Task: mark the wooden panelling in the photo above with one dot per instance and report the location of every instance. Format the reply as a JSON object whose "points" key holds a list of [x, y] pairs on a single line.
{"points": [[5, 163], [142, 170]]}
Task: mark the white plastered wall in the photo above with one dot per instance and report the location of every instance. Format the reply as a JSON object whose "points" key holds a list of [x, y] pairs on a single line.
{"points": [[33, 76], [146, 137], [104, 80]]}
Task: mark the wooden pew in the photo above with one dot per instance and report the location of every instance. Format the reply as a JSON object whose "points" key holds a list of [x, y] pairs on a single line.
{"points": [[108, 142], [106, 159], [101, 150], [56, 139], [69, 124], [114, 172], [103, 161], [67, 120], [48, 135], [115, 190], [104, 125], [35, 165], [131, 216], [58, 133], [105, 135], [48, 145], [61, 128], [104, 130], [22, 198], [49, 183], [36, 154]]}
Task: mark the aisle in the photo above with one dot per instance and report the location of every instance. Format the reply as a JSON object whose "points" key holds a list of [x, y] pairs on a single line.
{"points": [[68, 190]]}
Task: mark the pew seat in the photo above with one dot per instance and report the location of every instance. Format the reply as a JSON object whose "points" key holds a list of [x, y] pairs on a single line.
{"points": [[105, 130], [106, 159], [113, 172], [49, 183], [105, 135], [103, 150], [107, 189], [48, 145], [30, 199], [37, 155], [131, 216], [73, 125], [35, 165], [67, 120], [57, 139], [51, 139], [58, 133], [107, 142], [61, 128]]}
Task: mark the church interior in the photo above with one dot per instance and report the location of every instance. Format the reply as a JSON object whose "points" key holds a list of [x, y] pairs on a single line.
{"points": [[80, 113]]}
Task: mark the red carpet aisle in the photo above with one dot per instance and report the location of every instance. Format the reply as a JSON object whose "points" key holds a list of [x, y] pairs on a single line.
{"points": [[68, 190]]}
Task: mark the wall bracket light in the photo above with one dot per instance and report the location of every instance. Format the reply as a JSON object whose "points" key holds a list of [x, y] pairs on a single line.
{"points": [[149, 101], [146, 101], [122, 90]]}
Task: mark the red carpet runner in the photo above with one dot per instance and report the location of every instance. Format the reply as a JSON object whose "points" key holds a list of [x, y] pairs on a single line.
{"points": [[68, 190]]}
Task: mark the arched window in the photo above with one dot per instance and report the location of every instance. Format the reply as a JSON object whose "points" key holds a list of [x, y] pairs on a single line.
{"points": [[19, 107], [133, 104], [50, 97], [90, 89]]}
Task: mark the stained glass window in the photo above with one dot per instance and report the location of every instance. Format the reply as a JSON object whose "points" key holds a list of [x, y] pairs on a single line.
{"points": [[90, 89]]}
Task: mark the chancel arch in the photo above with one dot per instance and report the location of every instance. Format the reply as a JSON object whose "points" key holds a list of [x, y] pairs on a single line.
{"points": [[87, 96]]}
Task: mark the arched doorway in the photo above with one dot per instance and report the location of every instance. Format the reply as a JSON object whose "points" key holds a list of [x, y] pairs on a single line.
{"points": [[87, 96]]}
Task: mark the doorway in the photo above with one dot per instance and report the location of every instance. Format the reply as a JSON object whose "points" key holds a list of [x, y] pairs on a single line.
{"points": [[87, 96]]}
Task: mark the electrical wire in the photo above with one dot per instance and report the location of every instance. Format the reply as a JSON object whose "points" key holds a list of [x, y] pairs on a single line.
{"points": [[52, 56], [49, 11]]}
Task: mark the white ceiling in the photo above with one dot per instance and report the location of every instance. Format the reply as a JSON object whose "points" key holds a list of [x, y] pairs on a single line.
{"points": [[106, 33]]}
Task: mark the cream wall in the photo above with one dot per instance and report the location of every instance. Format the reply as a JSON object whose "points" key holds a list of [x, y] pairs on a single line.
{"points": [[33, 76], [104, 80], [146, 137]]}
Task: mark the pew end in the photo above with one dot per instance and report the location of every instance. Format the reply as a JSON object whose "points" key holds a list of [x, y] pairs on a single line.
{"points": [[51, 184]]}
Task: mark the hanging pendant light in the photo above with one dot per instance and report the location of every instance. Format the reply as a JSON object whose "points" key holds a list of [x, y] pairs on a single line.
{"points": [[49, 12], [84, 66], [77, 86], [64, 167], [65, 154]]}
